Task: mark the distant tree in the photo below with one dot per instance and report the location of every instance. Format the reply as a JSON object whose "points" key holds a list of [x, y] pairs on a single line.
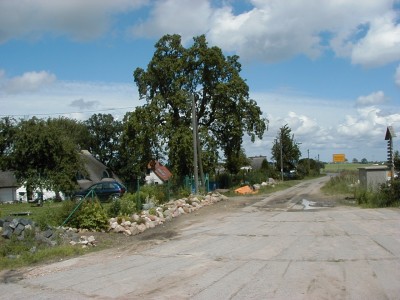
{"points": [[43, 156], [8, 129], [224, 110], [396, 159], [364, 161], [265, 165], [104, 139], [309, 167], [355, 161], [139, 144], [285, 146]]}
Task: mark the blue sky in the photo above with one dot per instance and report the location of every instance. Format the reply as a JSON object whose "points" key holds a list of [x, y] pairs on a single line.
{"points": [[328, 69]]}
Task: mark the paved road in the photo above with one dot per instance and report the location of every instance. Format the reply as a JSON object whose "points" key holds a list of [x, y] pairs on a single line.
{"points": [[272, 249]]}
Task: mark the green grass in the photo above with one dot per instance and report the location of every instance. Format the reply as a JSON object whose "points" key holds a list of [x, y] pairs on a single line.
{"points": [[341, 167]]}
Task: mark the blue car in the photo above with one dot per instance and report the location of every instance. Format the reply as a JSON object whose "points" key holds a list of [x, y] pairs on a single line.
{"points": [[104, 191]]}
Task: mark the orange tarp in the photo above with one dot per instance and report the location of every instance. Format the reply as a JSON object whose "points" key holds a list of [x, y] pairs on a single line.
{"points": [[245, 190]]}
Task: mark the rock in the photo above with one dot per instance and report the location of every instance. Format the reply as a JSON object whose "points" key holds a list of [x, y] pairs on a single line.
{"points": [[141, 227], [18, 230], [48, 233], [7, 232]]}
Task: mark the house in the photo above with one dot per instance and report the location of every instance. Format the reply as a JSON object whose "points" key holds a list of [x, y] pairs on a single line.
{"points": [[96, 171], [157, 173], [8, 187], [11, 191], [255, 163]]}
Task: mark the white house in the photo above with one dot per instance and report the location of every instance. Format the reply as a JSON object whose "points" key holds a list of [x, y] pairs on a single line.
{"points": [[157, 173]]}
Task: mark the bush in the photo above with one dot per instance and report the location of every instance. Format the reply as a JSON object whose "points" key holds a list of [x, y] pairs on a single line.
{"points": [[92, 216], [387, 195], [127, 205]]}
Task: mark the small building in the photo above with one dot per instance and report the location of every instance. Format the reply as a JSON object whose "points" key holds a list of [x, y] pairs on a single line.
{"points": [[157, 173], [8, 187], [373, 176]]}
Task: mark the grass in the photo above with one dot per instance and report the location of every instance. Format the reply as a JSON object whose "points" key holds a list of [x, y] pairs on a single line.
{"points": [[343, 167], [16, 254]]}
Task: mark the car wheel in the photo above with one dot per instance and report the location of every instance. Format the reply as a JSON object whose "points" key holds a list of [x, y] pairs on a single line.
{"points": [[115, 197]]}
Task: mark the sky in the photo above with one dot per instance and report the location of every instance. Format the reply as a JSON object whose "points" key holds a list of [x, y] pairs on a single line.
{"points": [[328, 69]]}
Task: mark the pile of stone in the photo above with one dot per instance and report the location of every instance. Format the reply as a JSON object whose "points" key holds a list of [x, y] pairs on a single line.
{"points": [[84, 241], [157, 215], [17, 226]]}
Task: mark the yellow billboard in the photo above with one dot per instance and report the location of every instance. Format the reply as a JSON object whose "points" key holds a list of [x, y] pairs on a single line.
{"points": [[339, 158]]}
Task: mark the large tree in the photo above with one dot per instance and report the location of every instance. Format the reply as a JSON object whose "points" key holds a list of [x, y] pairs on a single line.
{"points": [[104, 139], [223, 108], [287, 148], [44, 156]]}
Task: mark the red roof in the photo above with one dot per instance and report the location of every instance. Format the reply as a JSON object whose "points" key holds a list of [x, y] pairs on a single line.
{"points": [[161, 171]]}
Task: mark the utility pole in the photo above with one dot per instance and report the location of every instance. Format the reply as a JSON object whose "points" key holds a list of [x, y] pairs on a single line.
{"points": [[280, 142], [195, 164]]}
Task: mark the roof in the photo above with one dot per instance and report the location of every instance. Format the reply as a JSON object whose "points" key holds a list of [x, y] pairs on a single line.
{"points": [[390, 133], [374, 168], [7, 179], [161, 171], [95, 169], [256, 161]]}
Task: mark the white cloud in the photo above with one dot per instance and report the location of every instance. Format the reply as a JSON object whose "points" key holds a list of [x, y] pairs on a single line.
{"points": [[381, 45], [325, 126], [187, 18], [371, 99], [275, 30], [78, 100], [397, 76], [28, 82], [79, 19]]}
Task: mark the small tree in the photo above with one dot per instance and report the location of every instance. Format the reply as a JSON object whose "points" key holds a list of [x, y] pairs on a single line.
{"points": [[285, 150]]}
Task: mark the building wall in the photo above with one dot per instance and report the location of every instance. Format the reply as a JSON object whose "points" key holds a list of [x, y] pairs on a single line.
{"points": [[372, 179], [152, 178], [7, 194]]}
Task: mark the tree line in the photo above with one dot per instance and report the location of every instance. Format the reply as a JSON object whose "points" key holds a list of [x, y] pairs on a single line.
{"points": [[44, 153]]}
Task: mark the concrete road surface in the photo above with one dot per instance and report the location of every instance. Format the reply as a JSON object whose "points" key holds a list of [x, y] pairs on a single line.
{"points": [[272, 249]]}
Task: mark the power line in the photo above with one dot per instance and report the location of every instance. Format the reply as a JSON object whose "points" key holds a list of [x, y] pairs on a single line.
{"points": [[68, 113]]}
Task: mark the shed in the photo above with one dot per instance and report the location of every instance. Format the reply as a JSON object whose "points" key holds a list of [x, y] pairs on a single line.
{"points": [[373, 176], [8, 187]]}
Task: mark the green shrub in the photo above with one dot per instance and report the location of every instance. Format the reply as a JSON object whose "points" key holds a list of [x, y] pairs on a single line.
{"points": [[127, 205], [387, 195], [341, 184], [92, 216]]}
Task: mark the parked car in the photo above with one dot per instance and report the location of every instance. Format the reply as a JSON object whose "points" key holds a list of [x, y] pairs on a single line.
{"points": [[105, 191]]}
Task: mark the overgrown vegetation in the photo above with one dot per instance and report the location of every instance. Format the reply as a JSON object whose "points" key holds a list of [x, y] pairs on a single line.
{"points": [[346, 184], [15, 252]]}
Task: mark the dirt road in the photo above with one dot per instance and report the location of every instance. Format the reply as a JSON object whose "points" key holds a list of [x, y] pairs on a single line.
{"points": [[293, 244]]}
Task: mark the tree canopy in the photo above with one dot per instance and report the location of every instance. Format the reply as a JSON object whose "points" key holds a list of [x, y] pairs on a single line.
{"points": [[223, 108], [286, 147], [43, 154]]}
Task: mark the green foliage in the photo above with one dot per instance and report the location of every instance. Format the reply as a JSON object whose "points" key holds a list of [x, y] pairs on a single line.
{"points": [[92, 216], [387, 195], [343, 183], [127, 205], [104, 140], [42, 155], [286, 147], [223, 108]]}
